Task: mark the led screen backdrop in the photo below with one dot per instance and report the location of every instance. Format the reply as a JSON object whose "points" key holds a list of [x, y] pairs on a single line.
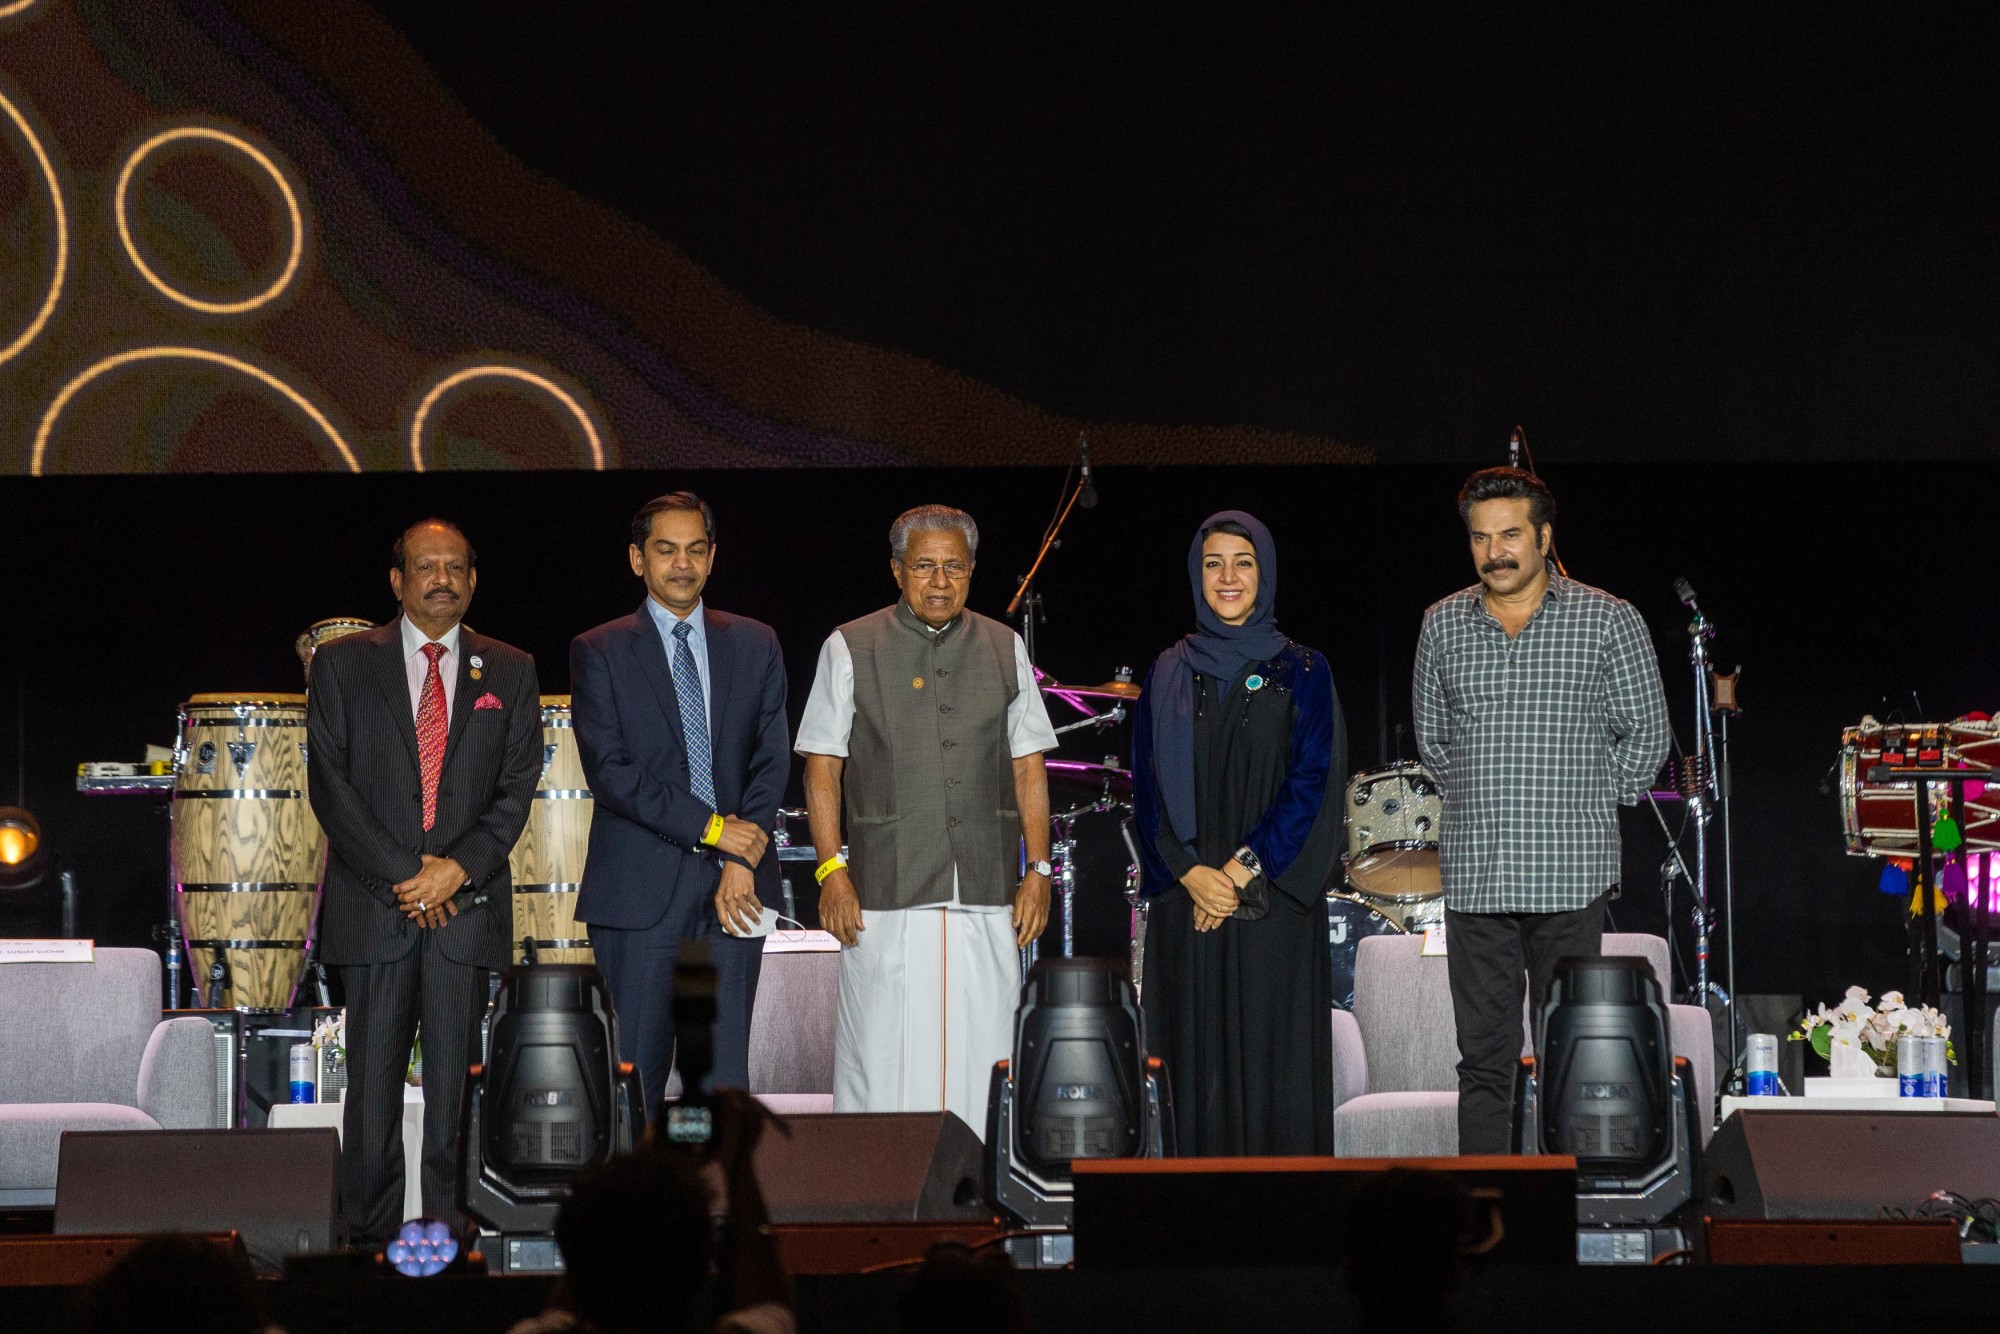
{"points": [[259, 236]]}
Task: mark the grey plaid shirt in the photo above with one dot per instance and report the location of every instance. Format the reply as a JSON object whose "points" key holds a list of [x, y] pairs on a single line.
{"points": [[1535, 740]]}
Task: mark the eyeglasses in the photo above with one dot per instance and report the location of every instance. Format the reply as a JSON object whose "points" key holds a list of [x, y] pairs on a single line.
{"points": [[954, 570]]}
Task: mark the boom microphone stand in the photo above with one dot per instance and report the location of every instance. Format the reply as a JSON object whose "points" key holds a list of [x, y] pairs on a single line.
{"points": [[1027, 603], [1705, 784]]}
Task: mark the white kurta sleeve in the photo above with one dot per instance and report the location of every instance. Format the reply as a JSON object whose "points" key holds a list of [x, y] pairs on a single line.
{"points": [[829, 716], [1028, 727]]}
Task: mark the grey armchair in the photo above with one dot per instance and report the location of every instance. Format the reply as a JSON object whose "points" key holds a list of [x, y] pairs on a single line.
{"points": [[1395, 1056], [83, 1046]]}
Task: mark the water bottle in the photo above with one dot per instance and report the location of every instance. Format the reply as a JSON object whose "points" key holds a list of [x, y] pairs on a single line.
{"points": [[303, 1083], [1911, 1060], [1760, 1066]]}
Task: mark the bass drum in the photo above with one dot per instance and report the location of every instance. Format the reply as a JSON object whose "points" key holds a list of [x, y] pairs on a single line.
{"points": [[547, 861], [248, 857], [1349, 921]]}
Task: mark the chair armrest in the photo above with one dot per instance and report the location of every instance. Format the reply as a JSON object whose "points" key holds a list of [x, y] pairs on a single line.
{"points": [[177, 1076], [1350, 1058], [1694, 1037]]}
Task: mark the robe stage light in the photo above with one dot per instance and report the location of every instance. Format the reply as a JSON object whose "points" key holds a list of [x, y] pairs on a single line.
{"points": [[550, 1100], [37, 893], [1079, 1085], [24, 858], [1610, 1093]]}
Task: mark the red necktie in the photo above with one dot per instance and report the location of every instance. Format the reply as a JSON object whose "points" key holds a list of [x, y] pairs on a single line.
{"points": [[430, 733]]}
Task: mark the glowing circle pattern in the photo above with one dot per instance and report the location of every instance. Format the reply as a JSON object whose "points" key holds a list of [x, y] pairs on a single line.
{"points": [[294, 217], [197, 354], [61, 269], [542, 382]]}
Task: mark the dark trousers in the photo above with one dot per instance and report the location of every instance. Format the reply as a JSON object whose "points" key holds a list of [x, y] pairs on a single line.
{"points": [[385, 1001], [638, 966], [1488, 956]]}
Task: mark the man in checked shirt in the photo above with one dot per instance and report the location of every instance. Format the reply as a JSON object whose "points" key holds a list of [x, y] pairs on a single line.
{"points": [[1539, 709]]}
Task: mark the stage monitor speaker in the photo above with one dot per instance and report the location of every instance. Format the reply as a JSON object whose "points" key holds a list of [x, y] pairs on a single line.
{"points": [[1152, 1213], [1847, 1164], [873, 1167], [279, 1188], [78, 1262], [1798, 1241]]}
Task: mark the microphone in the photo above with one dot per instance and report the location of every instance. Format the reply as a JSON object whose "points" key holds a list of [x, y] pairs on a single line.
{"points": [[1086, 495], [1514, 443], [1684, 591]]}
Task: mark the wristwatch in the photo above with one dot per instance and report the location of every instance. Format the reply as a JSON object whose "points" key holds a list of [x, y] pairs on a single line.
{"points": [[1249, 861], [1043, 869]]}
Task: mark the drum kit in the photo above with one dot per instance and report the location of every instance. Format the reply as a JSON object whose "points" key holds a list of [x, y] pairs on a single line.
{"points": [[1389, 885], [1393, 886]]}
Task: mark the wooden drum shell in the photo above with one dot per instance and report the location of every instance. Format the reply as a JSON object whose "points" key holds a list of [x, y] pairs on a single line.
{"points": [[547, 861], [249, 858]]}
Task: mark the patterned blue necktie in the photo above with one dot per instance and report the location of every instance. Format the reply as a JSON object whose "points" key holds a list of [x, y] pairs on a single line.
{"points": [[694, 717]]}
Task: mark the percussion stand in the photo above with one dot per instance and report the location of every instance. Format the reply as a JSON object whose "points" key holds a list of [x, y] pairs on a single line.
{"points": [[1929, 966]]}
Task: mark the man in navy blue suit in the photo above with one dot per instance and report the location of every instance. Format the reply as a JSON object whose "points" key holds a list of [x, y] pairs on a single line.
{"points": [[680, 721]]}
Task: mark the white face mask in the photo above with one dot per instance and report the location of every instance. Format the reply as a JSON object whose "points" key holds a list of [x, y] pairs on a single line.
{"points": [[766, 924]]}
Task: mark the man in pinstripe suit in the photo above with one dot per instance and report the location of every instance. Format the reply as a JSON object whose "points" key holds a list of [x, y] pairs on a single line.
{"points": [[425, 742]]}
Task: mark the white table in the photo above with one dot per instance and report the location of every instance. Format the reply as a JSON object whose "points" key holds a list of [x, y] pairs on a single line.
{"points": [[1855, 1095], [289, 1115]]}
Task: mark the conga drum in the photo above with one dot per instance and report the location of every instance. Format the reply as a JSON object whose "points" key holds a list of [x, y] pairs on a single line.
{"points": [[249, 859], [324, 632], [547, 862]]}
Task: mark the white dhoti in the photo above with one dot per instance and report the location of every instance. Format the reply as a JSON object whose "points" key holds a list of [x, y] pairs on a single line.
{"points": [[927, 1003]]}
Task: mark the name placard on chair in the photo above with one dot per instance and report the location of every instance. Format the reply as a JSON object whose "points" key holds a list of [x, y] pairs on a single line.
{"points": [[48, 951]]}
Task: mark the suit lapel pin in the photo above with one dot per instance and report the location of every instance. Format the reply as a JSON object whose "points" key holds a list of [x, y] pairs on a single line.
{"points": [[1253, 682], [476, 663], [917, 684]]}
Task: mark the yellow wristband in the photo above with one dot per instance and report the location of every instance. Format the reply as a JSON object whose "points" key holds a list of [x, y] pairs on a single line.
{"points": [[714, 832], [826, 868]]}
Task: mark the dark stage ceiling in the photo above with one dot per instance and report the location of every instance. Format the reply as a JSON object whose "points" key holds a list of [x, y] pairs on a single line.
{"points": [[1647, 231]]}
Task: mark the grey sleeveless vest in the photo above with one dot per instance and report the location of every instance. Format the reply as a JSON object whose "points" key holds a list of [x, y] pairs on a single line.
{"points": [[929, 780]]}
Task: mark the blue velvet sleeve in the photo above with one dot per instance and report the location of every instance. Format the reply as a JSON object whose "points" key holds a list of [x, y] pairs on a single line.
{"points": [[1155, 876], [1318, 750]]}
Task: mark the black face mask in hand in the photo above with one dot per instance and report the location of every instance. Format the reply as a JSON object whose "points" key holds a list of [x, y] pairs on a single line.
{"points": [[1253, 901]]}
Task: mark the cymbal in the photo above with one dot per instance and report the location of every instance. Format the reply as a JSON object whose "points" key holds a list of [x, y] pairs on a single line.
{"points": [[1109, 690]]}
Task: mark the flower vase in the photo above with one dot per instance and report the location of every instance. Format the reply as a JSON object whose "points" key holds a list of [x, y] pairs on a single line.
{"points": [[1851, 1061]]}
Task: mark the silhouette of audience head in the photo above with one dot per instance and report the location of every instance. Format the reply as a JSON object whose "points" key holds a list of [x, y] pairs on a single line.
{"points": [[175, 1283], [1408, 1232], [637, 1242], [960, 1292]]}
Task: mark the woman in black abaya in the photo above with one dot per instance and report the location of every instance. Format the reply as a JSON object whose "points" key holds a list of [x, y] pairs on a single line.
{"points": [[1239, 759]]}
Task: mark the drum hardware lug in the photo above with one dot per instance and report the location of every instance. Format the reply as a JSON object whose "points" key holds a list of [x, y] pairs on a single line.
{"points": [[548, 758], [242, 752]]}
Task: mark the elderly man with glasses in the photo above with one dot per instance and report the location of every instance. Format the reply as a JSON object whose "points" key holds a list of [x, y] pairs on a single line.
{"points": [[925, 729]]}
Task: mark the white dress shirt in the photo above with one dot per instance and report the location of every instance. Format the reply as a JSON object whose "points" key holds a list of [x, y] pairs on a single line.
{"points": [[829, 717], [417, 665], [665, 620]]}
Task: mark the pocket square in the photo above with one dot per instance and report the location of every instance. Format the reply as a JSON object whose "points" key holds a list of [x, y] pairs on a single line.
{"points": [[489, 700]]}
